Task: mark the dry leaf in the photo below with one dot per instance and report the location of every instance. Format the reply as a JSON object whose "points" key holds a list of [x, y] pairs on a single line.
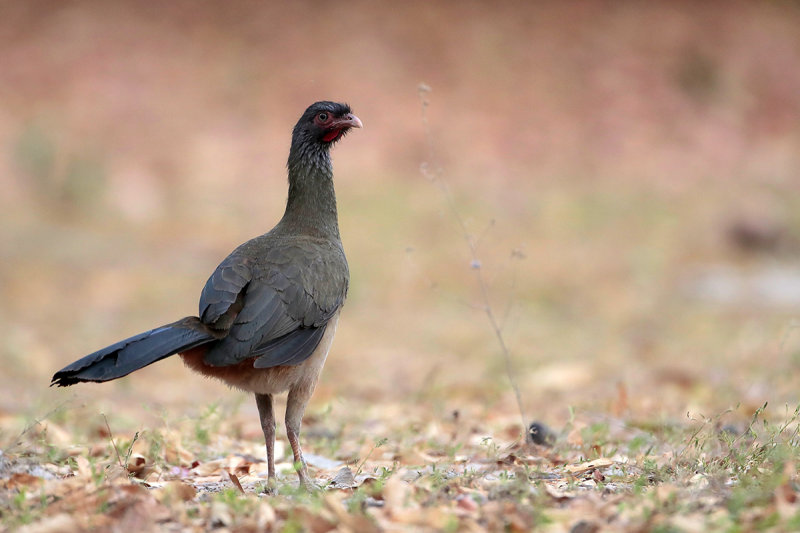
{"points": [[136, 464], [558, 492], [21, 479], [84, 470], [344, 479], [116, 473], [233, 479], [177, 491], [397, 494], [60, 523], [174, 452], [315, 521], [786, 500], [580, 468], [466, 503], [334, 502], [209, 468], [220, 515], [575, 437], [265, 517], [347, 520]]}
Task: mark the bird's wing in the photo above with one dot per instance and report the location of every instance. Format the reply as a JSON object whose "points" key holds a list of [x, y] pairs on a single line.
{"points": [[291, 349], [293, 291], [221, 299]]}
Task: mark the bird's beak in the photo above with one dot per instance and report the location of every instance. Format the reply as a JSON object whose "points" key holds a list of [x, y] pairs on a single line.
{"points": [[348, 121]]}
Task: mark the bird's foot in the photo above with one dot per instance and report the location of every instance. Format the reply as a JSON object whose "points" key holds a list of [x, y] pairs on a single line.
{"points": [[270, 488], [306, 482], [309, 485]]}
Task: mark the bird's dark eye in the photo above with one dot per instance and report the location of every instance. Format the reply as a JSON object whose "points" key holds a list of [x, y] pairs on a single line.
{"points": [[322, 117]]}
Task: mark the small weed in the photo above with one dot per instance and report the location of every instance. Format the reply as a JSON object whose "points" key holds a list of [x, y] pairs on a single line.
{"points": [[491, 447], [20, 505], [451, 450], [637, 443], [378, 444], [97, 472], [207, 424], [155, 446], [129, 449]]}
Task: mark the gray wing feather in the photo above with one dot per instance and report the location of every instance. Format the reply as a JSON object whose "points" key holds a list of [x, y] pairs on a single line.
{"points": [[222, 290], [274, 307], [291, 349]]}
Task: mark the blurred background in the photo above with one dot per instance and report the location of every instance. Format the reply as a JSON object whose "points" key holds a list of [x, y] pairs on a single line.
{"points": [[629, 173]]}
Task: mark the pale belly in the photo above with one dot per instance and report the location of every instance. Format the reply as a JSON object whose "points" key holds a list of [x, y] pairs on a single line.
{"points": [[268, 380]]}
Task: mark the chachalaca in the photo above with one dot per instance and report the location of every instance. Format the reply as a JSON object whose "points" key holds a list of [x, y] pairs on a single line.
{"points": [[269, 311]]}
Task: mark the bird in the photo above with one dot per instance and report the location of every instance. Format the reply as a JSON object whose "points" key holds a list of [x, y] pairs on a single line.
{"points": [[269, 312]]}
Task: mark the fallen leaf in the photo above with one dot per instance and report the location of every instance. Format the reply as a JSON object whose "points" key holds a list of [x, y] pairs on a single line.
{"points": [[174, 452], [466, 503], [60, 523], [580, 468], [136, 464], [344, 479], [21, 479], [265, 517], [233, 479], [557, 492], [209, 468], [220, 515], [116, 473], [56, 434], [397, 494], [174, 491], [84, 469]]}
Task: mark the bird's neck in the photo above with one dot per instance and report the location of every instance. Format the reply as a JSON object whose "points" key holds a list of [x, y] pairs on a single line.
{"points": [[311, 206]]}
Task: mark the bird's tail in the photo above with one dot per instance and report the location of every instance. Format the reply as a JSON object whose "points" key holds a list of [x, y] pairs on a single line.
{"points": [[136, 352]]}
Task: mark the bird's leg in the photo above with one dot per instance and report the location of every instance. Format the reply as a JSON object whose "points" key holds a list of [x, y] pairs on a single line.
{"points": [[264, 403], [295, 407]]}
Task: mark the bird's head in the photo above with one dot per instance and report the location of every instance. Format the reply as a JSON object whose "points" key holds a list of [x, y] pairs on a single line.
{"points": [[324, 123]]}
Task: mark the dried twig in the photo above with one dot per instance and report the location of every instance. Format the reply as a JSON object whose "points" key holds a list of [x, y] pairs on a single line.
{"points": [[128, 453], [36, 421], [434, 173], [111, 438]]}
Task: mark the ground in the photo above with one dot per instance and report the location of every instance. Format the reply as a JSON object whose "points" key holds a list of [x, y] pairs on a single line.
{"points": [[591, 205]]}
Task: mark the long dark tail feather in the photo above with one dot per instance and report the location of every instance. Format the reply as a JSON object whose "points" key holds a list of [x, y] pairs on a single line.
{"points": [[136, 352]]}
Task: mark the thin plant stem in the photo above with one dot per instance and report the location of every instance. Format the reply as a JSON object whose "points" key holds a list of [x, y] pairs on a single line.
{"points": [[111, 438], [433, 173]]}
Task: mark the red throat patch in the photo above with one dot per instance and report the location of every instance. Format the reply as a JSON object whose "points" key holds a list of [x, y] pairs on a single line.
{"points": [[331, 135]]}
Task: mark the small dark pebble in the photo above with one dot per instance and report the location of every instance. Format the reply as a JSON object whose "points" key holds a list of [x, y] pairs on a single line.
{"points": [[539, 433]]}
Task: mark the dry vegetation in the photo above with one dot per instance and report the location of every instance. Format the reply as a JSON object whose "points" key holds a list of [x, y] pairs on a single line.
{"points": [[627, 176]]}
